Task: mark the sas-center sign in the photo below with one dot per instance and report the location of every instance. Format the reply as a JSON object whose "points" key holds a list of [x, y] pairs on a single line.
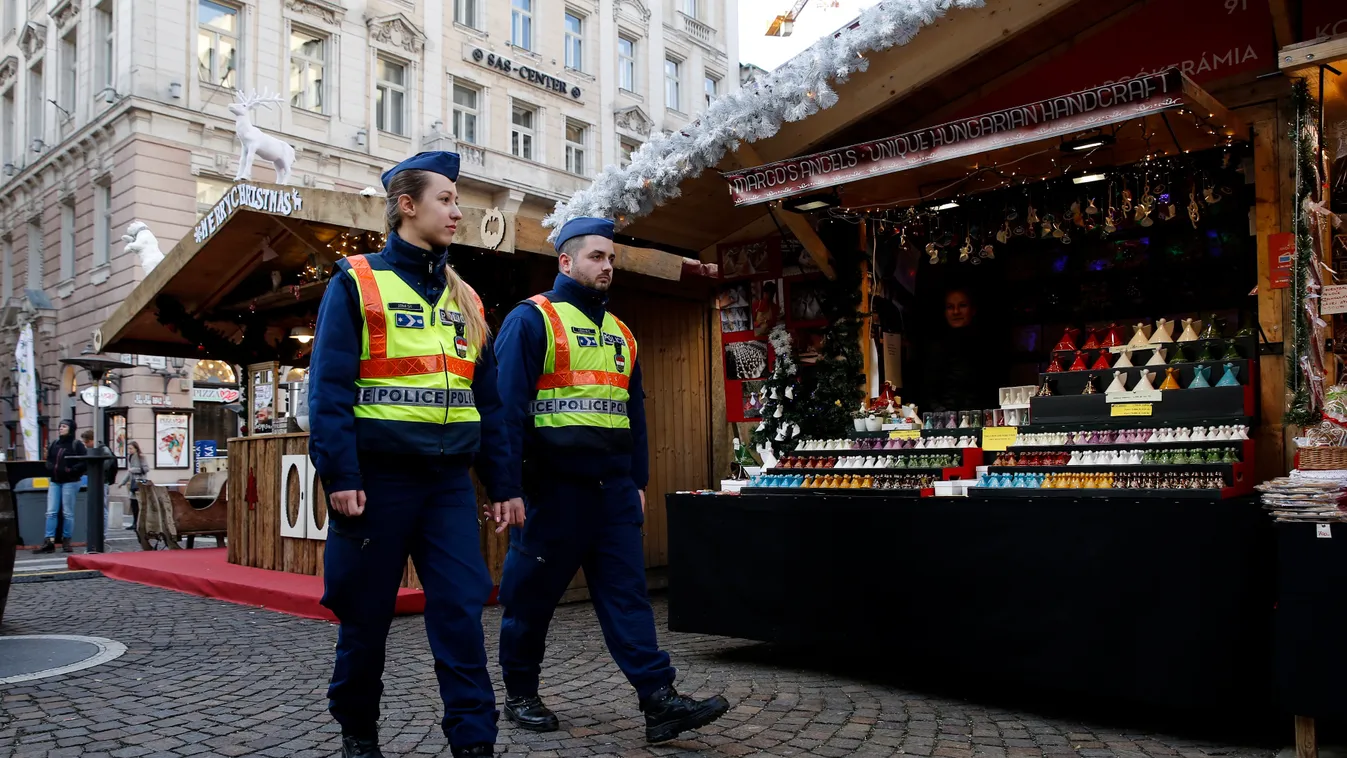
{"points": [[526, 73]]}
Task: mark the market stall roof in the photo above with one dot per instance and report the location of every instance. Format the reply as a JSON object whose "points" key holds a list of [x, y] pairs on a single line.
{"points": [[251, 270]]}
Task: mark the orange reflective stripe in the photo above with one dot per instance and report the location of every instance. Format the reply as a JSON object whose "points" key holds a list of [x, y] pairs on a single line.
{"points": [[631, 341], [475, 298], [391, 368], [374, 306], [582, 379], [559, 340]]}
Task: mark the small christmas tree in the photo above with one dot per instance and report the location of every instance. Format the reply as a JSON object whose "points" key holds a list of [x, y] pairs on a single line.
{"points": [[781, 414]]}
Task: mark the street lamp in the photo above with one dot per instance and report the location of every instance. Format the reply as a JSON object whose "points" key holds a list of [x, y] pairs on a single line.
{"points": [[98, 368]]}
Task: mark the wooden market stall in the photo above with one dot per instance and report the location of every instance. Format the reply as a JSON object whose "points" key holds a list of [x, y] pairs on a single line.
{"points": [[250, 277], [951, 150]]}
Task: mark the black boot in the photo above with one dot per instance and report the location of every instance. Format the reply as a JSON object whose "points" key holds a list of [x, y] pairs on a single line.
{"points": [[530, 713], [668, 713], [67, 547], [360, 747], [48, 546], [474, 751]]}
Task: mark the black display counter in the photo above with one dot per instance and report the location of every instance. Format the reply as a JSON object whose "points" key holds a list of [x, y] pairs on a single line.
{"points": [[1311, 620], [1162, 602]]}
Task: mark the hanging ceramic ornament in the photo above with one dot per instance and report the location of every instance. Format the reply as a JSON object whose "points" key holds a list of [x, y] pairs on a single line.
{"points": [[1124, 360], [1090, 389], [1119, 382], [1211, 331], [1193, 214], [1101, 363], [933, 252], [1110, 223], [1092, 209], [1171, 381], [795, 430], [966, 250], [1055, 366], [1144, 215], [1211, 196], [761, 427], [1091, 342], [1178, 356], [1190, 327], [1032, 218], [1068, 340], [1141, 336], [1231, 376], [1231, 352], [790, 392], [1144, 382], [987, 252], [1003, 236], [1045, 390], [1127, 201], [1164, 332], [1079, 363], [1201, 378], [778, 412], [774, 395], [1157, 357], [1113, 337]]}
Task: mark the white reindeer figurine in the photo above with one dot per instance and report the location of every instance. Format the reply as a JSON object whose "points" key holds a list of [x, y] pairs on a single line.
{"points": [[141, 241], [257, 143]]}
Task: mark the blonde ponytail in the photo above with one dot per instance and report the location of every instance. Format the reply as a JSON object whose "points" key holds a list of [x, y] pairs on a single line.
{"points": [[475, 329]]}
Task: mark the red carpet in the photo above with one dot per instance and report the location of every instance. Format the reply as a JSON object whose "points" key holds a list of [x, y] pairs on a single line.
{"points": [[207, 573]]}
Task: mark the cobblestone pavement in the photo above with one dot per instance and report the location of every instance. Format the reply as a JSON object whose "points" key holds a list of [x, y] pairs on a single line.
{"points": [[202, 677]]}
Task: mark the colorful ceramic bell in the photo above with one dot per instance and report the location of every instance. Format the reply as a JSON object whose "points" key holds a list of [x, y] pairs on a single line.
{"points": [[1068, 340], [1079, 363], [1045, 390], [1101, 363], [1178, 356], [1211, 331], [1164, 332], [1090, 389], [1205, 353], [1091, 342], [1171, 381], [1144, 383], [1119, 382], [1055, 365], [1231, 352], [1124, 360], [1157, 357], [1246, 326], [1231, 376], [1113, 337], [1201, 377], [1190, 327], [1141, 337]]}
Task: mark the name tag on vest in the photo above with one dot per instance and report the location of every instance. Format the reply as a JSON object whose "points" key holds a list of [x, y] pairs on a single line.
{"points": [[577, 405], [409, 321], [410, 307], [415, 396], [582, 330]]}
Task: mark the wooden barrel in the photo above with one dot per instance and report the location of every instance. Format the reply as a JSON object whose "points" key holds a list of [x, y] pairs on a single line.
{"points": [[9, 537]]}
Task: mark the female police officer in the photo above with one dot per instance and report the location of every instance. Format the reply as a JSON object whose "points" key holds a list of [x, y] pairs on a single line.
{"points": [[402, 401]]}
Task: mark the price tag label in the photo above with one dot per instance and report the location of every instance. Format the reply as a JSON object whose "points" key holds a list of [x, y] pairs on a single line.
{"points": [[1130, 409], [905, 434], [1144, 396], [998, 438], [1323, 531]]}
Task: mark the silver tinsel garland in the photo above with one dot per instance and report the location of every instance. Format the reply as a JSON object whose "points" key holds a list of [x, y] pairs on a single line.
{"points": [[795, 90]]}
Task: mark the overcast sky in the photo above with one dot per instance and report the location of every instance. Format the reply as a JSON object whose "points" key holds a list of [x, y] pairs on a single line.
{"points": [[818, 18]]}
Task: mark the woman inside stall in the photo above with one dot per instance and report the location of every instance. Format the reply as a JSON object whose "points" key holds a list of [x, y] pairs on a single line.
{"points": [[957, 372]]}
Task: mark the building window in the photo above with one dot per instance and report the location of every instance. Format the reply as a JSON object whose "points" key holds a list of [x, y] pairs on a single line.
{"points": [[217, 43], [465, 13], [208, 193], [626, 64], [10, 138], [35, 255], [575, 41], [391, 97], [36, 103], [11, 16], [105, 44], [521, 23], [465, 113], [308, 53], [625, 148], [102, 223], [7, 275], [673, 72], [689, 7], [577, 140], [523, 123], [67, 241], [712, 87], [65, 93]]}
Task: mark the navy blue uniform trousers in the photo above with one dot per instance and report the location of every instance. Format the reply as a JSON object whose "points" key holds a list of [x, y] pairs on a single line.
{"points": [[573, 524], [431, 515]]}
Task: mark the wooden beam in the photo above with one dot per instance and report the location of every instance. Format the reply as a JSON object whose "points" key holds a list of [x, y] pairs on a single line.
{"points": [[1271, 302], [798, 224], [1284, 15], [1307, 742], [304, 233], [1331, 50], [530, 236]]}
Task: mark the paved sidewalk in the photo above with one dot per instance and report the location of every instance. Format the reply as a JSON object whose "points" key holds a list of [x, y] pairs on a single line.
{"points": [[207, 678]]}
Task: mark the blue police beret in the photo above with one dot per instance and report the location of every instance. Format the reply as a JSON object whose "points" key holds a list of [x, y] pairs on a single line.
{"points": [[584, 225], [440, 162]]}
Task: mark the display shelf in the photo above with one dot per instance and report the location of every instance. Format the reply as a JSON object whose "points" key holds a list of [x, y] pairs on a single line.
{"points": [[1107, 423], [1124, 446], [869, 470], [1167, 345], [1028, 493], [1110, 468], [877, 451], [848, 491], [1184, 407]]}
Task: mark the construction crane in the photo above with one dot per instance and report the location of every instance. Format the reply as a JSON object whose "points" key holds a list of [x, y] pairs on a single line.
{"points": [[784, 24]]}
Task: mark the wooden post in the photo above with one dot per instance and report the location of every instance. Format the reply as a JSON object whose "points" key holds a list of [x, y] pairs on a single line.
{"points": [[867, 318], [1307, 744], [1271, 302]]}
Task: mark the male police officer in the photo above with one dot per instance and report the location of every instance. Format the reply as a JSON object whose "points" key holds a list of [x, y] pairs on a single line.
{"points": [[571, 389], [402, 393]]}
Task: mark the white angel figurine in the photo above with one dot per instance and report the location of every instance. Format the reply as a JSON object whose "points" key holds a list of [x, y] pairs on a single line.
{"points": [[1144, 383], [1191, 326], [1119, 382], [1164, 332]]}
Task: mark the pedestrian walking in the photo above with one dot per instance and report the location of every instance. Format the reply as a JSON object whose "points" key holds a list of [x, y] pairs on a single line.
{"points": [[64, 471], [136, 472], [402, 401], [570, 383]]}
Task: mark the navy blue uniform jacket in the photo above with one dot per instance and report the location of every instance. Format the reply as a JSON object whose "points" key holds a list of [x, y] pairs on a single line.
{"points": [[520, 351], [336, 366]]}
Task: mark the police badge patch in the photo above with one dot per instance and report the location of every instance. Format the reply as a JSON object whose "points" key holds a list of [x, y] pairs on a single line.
{"points": [[621, 361], [586, 341], [461, 346], [409, 321]]}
